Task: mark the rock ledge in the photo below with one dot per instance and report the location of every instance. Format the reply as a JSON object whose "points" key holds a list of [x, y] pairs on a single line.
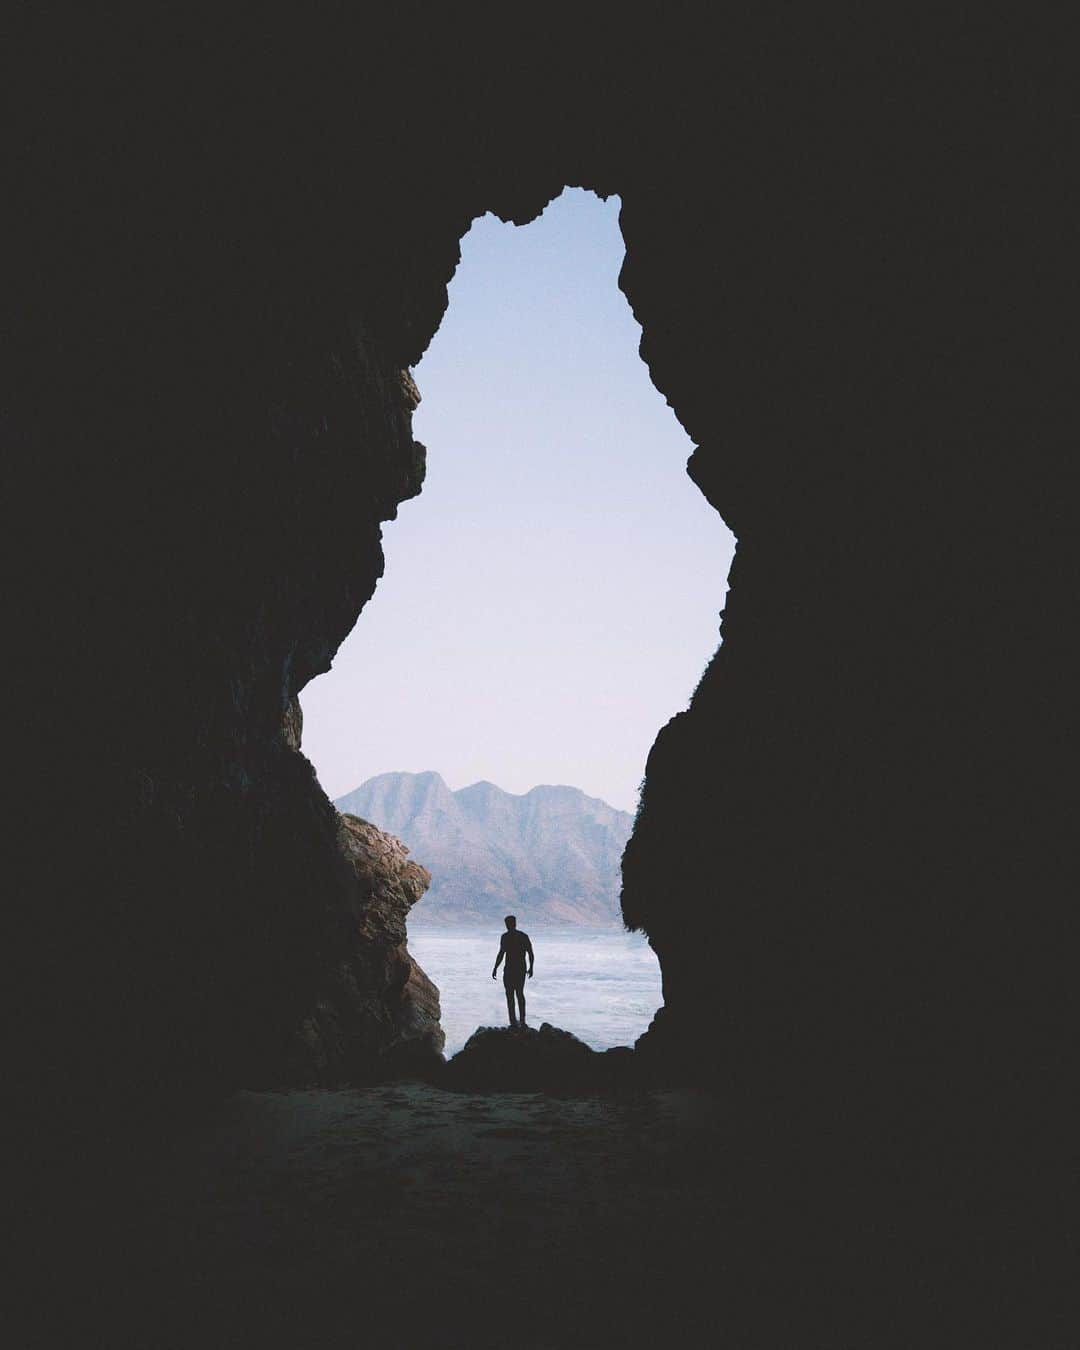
{"points": [[526, 1060]]}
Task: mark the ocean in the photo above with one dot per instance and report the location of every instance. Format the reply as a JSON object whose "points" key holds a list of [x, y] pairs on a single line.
{"points": [[604, 986]]}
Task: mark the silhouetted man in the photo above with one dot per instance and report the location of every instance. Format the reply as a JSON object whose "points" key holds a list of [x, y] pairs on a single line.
{"points": [[514, 947]]}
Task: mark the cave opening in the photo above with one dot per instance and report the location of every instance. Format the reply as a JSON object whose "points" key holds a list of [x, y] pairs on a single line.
{"points": [[549, 602], [846, 244]]}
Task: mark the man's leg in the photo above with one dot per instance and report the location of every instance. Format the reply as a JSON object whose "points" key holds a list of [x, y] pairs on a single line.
{"points": [[510, 1002], [521, 1002]]}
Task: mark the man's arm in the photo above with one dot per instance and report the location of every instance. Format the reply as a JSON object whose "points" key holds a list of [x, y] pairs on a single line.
{"points": [[498, 959], [528, 948]]}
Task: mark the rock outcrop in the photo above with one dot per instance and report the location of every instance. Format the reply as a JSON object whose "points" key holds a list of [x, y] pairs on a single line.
{"points": [[524, 1059], [377, 1013]]}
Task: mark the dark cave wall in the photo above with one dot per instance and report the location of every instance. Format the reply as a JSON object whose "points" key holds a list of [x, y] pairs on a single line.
{"points": [[849, 843], [835, 819], [237, 554]]}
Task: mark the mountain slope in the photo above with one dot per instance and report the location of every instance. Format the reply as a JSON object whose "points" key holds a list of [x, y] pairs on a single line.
{"points": [[550, 856]]}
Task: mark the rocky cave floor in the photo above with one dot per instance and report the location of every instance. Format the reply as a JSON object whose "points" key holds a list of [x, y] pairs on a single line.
{"points": [[412, 1216]]}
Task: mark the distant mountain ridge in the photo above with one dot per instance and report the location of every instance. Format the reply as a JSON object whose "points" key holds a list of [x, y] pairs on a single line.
{"points": [[551, 855]]}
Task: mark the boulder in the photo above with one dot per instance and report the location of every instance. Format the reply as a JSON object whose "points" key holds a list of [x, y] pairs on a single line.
{"points": [[525, 1060]]}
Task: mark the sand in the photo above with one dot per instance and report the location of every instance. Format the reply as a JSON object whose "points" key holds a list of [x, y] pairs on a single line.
{"points": [[409, 1216]]}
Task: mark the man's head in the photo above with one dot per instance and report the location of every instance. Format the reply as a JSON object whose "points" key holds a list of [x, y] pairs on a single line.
{"points": [[511, 922]]}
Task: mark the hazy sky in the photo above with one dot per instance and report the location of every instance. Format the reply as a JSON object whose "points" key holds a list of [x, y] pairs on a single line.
{"points": [[553, 595]]}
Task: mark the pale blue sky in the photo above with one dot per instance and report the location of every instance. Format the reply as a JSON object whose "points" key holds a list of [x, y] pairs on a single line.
{"points": [[553, 595]]}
